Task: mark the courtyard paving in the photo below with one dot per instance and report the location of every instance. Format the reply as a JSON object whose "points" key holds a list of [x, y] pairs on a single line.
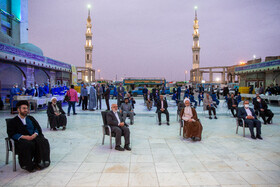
{"points": [[159, 156]]}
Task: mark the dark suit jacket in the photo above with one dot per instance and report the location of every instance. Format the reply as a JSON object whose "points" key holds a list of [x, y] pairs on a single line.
{"points": [[120, 90], [243, 114], [112, 120], [107, 93], [165, 106], [230, 103], [15, 126], [257, 105]]}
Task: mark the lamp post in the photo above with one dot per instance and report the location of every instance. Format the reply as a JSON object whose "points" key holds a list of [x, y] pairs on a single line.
{"points": [[99, 73], [186, 72]]}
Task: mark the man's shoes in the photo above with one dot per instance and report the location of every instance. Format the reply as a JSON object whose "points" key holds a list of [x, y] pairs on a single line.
{"points": [[54, 129], [215, 117], [126, 147], [259, 137], [131, 123], [63, 128], [235, 115], [119, 148], [75, 114], [265, 122], [168, 123], [159, 123], [210, 117], [68, 114], [91, 110], [253, 137]]}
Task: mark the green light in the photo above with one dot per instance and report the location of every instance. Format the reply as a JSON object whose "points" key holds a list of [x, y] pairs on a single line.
{"points": [[195, 7]]}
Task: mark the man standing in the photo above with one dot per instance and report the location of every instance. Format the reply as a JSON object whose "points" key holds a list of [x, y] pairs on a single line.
{"points": [[218, 92], [118, 127], [179, 92], [120, 91], [162, 108], [127, 110], [145, 91], [250, 118], [32, 147], [149, 101], [84, 95], [92, 98], [99, 92], [107, 97], [14, 91]]}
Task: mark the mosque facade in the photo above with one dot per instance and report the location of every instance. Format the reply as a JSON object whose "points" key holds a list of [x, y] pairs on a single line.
{"points": [[22, 62]]}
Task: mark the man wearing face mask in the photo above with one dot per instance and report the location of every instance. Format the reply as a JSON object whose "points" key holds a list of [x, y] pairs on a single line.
{"points": [[260, 107], [250, 119]]}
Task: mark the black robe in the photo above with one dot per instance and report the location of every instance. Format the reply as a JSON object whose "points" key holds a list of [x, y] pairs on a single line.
{"points": [[30, 153], [56, 121]]}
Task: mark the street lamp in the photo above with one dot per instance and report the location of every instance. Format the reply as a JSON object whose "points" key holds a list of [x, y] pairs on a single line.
{"points": [[242, 62], [89, 6], [254, 57], [99, 73], [186, 72], [217, 79]]}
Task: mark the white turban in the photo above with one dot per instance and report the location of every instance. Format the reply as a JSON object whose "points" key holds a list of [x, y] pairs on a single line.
{"points": [[187, 99], [53, 98]]}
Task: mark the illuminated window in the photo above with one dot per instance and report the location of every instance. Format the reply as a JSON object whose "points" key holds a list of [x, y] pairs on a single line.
{"points": [[89, 42]]}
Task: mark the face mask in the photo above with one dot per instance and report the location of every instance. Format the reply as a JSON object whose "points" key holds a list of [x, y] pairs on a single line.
{"points": [[16, 86], [246, 105], [259, 100]]}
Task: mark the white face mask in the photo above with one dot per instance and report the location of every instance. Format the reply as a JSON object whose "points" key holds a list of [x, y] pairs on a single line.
{"points": [[259, 100], [246, 105]]}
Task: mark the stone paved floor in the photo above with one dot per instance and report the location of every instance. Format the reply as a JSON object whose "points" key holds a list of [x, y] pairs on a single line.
{"points": [[159, 156]]}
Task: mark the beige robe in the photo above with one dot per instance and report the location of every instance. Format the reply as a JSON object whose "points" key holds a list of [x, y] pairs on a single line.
{"points": [[191, 129]]}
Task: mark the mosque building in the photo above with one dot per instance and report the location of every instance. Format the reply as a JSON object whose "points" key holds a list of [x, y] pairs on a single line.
{"points": [[22, 62]]}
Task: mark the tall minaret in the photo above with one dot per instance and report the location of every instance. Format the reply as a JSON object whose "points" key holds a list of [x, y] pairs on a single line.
{"points": [[195, 47], [88, 46]]}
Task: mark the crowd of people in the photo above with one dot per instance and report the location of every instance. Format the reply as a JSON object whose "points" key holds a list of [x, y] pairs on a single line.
{"points": [[33, 148]]}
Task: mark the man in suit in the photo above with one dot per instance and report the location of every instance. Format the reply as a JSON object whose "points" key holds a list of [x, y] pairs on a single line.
{"points": [[118, 127], [149, 101], [120, 97], [32, 147], [250, 119], [162, 108], [107, 97], [126, 109], [99, 92], [232, 105], [261, 108]]}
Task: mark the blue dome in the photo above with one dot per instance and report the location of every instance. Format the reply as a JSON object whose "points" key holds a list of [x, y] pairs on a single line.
{"points": [[31, 48]]}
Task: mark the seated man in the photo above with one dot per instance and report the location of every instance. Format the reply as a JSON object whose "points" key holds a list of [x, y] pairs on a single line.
{"points": [[56, 115], [32, 147], [200, 98], [192, 126], [214, 98], [162, 108], [232, 105], [149, 100], [131, 100], [126, 109], [260, 107], [175, 97], [209, 105], [250, 119], [118, 127], [192, 100]]}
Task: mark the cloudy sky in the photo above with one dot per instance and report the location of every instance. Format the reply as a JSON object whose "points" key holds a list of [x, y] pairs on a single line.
{"points": [[153, 38]]}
